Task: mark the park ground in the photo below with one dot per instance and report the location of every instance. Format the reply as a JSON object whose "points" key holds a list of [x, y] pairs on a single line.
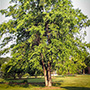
{"points": [[76, 82]]}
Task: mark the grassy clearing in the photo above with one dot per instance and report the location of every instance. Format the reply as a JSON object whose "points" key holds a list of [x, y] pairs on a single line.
{"points": [[79, 82]]}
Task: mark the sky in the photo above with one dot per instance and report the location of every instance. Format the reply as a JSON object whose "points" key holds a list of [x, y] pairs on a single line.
{"points": [[84, 5], [81, 4]]}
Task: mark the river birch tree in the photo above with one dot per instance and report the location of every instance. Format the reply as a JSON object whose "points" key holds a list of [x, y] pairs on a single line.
{"points": [[47, 34]]}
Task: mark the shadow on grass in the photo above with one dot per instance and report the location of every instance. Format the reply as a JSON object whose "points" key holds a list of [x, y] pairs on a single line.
{"points": [[26, 85], [57, 84], [30, 80], [27, 82], [34, 84], [76, 88], [20, 85]]}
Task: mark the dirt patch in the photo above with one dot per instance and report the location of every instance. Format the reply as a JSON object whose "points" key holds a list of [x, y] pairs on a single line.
{"points": [[49, 88]]}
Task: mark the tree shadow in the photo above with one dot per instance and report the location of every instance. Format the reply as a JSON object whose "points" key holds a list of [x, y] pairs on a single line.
{"points": [[57, 84], [42, 84], [76, 88], [26, 85]]}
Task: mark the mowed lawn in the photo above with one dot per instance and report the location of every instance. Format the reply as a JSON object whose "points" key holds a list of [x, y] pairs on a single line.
{"points": [[78, 82]]}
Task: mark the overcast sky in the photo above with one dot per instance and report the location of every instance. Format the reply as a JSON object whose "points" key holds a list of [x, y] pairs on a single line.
{"points": [[84, 5]]}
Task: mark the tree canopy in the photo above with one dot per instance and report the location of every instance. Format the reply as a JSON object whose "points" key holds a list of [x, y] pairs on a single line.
{"points": [[47, 34]]}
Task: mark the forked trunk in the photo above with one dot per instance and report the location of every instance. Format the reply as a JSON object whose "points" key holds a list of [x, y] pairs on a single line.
{"points": [[47, 74]]}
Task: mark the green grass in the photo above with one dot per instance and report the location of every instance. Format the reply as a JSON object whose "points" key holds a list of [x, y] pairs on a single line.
{"points": [[78, 82], [30, 80]]}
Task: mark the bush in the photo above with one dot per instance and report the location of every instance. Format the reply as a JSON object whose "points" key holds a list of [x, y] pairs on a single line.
{"points": [[2, 80], [25, 81]]}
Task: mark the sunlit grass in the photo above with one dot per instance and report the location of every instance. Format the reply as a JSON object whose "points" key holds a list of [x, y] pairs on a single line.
{"points": [[77, 81]]}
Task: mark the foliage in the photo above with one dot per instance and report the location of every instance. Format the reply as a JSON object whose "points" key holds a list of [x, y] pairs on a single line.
{"points": [[73, 66], [6, 74], [18, 69], [11, 71], [3, 60], [2, 80], [47, 34], [25, 81], [34, 71]]}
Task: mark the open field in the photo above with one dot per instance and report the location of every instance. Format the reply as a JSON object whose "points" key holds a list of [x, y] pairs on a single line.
{"points": [[78, 82]]}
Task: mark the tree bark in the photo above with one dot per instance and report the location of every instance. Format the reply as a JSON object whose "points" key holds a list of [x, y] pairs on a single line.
{"points": [[35, 76], [83, 71], [45, 72], [49, 64], [45, 75], [49, 75], [88, 70]]}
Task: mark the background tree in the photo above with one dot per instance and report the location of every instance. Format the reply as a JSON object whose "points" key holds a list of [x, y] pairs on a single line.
{"points": [[50, 31], [87, 68], [87, 61], [10, 74], [19, 64], [3, 60]]}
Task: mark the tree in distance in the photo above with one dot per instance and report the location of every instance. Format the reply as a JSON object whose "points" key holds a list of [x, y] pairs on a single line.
{"points": [[3, 60], [47, 34]]}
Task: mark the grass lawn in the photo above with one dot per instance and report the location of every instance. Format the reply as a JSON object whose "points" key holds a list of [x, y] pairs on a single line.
{"points": [[78, 82]]}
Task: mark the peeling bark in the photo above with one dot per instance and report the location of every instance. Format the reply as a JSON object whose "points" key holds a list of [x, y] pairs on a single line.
{"points": [[47, 73]]}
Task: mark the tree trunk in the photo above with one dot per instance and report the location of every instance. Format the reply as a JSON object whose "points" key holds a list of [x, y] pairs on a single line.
{"points": [[88, 70], [49, 64], [49, 75], [45, 73], [45, 77], [35, 76], [83, 71]]}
